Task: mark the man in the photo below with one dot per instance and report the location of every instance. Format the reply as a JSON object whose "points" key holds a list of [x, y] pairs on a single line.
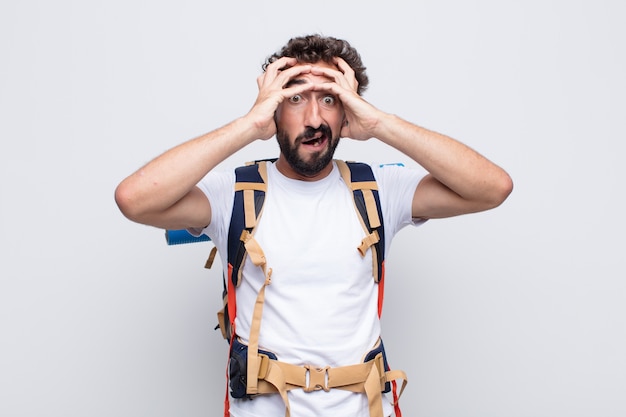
{"points": [[320, 304]]}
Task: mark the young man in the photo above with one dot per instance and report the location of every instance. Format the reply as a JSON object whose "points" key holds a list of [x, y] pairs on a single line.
{"points": [[320, 304]]}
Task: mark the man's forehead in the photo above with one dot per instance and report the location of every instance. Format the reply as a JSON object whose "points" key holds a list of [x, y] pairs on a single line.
{"points": [[312, 78], [320, 63]]}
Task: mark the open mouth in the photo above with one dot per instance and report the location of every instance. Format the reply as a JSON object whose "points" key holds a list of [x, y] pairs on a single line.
{"points": [[317, 140]]}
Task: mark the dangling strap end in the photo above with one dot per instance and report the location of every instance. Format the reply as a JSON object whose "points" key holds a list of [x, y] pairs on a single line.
{"points": [[368, 241], [209, 261], [252, 247]]}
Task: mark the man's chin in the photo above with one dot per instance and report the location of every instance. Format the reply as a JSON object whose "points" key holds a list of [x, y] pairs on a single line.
{"points": [[318, 161], [310, 163]]}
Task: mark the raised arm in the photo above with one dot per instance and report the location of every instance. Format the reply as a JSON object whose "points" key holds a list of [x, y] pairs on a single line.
{"points": [[460, 180], [163, 193]]}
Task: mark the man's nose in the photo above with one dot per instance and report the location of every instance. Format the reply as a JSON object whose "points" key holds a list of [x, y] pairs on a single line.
{"points": [[312, 115]]}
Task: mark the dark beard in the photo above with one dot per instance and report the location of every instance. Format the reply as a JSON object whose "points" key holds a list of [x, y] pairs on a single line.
{"points": [[318, 161]]}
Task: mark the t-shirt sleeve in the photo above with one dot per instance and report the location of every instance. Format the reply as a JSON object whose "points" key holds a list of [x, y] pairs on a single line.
{"points": [[219, 189], [396, 185]]}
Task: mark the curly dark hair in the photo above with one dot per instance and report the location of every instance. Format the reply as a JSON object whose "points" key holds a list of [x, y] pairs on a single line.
{"points": [[314, 48]]}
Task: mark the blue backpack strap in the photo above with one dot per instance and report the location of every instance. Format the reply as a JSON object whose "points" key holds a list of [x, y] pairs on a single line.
{"points": [[360, 179]]}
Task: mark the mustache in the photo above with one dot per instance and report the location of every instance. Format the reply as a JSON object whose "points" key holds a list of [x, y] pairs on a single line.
{"points": [[311, 132]]}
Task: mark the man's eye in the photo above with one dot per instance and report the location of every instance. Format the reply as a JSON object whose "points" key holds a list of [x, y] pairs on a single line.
{"points": [[296, 99], [329, 100]]}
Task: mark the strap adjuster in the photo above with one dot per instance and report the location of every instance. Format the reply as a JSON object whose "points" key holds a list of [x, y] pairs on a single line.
{"points": [[316, 378], [264, 364]]}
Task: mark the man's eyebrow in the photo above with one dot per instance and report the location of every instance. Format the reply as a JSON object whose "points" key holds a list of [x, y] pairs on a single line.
{"points": [[295, 81]]}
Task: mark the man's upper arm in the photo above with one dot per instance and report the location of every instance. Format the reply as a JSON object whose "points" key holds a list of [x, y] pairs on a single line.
{"points": [[190, 212], [433, 200]]}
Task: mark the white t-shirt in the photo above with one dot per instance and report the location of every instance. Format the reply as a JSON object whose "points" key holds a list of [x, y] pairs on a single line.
{"points": [[321, 306]]}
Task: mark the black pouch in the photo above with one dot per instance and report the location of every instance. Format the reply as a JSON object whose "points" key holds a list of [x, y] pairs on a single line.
{"points": [[238, 368], [372, 354]]}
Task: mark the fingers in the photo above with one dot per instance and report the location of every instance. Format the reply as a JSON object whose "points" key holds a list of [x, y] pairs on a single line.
{"points": [[279, 65], [281, 71], [274, 85], [345, 68], [272, 70], [343, 76]]}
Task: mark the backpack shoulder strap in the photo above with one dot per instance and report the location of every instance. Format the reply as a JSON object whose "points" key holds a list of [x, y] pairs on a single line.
{"points": [[360, 179], [250, 188]]}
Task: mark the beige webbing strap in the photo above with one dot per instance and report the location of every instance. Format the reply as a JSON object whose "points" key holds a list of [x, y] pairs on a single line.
{"points": [[274, 380], [263, 171], [253, 249], [345, 172], [368, 378], [368, 241], [374, 396], [257, 257], [209, 262], [394, 376], [259, 186], [254, 361], [248, 189], [248, 208], [370, 206], [366, 188]]}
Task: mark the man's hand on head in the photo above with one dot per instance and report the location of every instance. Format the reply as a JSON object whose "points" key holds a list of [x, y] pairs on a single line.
{"points": [[272, 93], [361, 117]]}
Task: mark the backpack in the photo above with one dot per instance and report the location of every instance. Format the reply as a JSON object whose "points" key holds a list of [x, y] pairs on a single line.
{"points": [[250, 189]]}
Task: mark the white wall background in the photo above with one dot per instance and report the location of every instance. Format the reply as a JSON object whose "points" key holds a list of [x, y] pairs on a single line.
{"points": [[520, 311]]}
